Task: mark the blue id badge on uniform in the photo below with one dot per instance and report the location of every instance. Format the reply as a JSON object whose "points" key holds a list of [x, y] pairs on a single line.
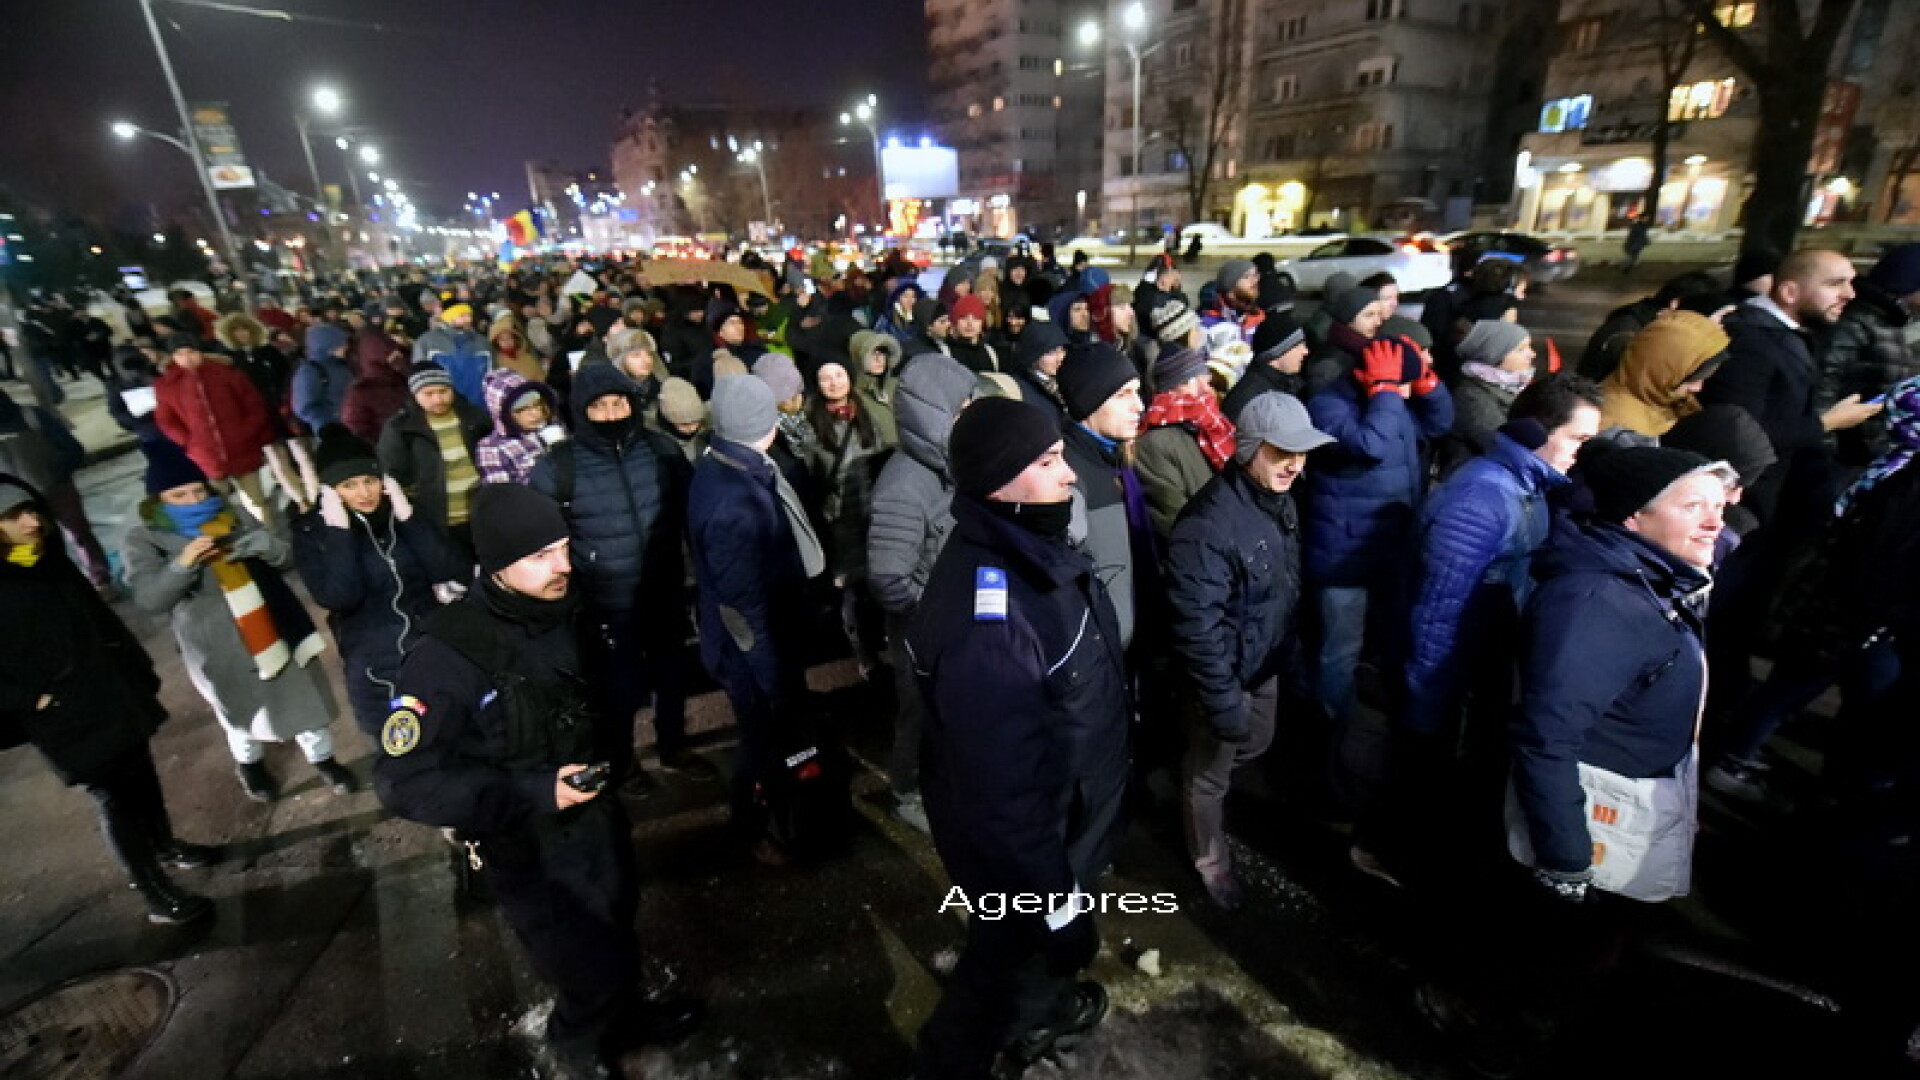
{"points": [[989, 595]]}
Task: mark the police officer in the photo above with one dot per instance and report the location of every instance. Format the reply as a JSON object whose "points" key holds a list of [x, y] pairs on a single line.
{"points": [[491, 722], [1025, 752]]}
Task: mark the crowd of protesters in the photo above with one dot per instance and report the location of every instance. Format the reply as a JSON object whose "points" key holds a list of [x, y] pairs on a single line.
{"points": [[1493, 594]]}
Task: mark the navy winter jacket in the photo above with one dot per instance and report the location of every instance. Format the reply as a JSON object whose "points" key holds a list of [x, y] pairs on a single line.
{"points": [[1478, 535], [1613, 674], [1026, 737], [752, 596], [1233, 576], [1364, 490], [375, 578], [627, 503]]}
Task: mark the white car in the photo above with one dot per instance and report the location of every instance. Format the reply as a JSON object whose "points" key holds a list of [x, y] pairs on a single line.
{"points": [[1208, 232], [1413, 269]]}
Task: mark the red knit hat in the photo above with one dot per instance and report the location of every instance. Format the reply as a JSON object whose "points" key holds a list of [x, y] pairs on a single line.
{"points": [[968, 305]]}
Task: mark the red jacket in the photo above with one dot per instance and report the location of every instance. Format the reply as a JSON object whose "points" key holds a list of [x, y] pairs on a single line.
{"points": [[216, 415]]}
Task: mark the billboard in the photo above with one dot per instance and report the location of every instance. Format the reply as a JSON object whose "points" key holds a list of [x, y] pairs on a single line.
{"points": [[213, 130], [921, 172]]}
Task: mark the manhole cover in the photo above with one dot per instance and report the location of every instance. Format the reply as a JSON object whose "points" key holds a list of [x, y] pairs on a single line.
{"points": [[86, 1030]]}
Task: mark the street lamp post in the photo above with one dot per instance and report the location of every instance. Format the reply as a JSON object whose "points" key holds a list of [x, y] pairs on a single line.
{"points": [[866, 114], [326, 100], [192, 147], [753, 156], [1134, 18]]}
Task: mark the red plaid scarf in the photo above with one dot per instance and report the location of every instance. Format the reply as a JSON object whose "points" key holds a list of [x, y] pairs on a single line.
{"points": [[1202, 416]]}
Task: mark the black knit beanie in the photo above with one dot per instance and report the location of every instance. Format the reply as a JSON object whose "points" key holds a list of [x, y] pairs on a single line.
{"points": [[994, 441], [1090, 375], [511, 522], [341, 455], [1623, 481]]}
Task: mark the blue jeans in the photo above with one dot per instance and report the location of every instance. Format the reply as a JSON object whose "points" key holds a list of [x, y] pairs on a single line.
{"points": [[1343, 635]]}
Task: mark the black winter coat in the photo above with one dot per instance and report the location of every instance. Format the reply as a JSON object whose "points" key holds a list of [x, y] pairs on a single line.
{"points": [[1026, 738], [410, 453], [375, 578], [1771, 374], [1233, 576], [63, 640]]}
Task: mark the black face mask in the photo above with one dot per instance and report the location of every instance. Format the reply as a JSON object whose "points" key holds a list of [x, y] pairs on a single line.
{"points": [[1048, 520], [616, 432]]}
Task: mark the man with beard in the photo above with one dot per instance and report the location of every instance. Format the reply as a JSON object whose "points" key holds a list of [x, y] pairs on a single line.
{"points": [[1236, 298], [491, 722]]}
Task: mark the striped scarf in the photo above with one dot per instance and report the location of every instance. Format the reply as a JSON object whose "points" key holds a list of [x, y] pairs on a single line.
{"points": [[252, 612]]}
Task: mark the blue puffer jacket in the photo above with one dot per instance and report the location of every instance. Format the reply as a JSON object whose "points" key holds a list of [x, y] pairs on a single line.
{"points": [[1613, 674], [1233, 575], [1477, 539], [1364, 490], [627, 504]]}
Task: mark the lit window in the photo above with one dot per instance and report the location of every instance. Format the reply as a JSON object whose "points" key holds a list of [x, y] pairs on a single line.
{"points": [[1703, 100], [999, 103], [1378, 71], [1733, 16], [974, 109], [1056, 101], [1057, 67]]}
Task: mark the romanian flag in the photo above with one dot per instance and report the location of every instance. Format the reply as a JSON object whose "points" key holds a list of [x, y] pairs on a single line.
{"points": [[522, 230]]}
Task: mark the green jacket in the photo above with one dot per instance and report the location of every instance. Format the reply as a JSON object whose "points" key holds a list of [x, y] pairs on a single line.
{"points": [[1171, 470]]}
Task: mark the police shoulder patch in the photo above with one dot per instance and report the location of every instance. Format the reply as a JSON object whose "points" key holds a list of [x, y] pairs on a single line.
{"points": [[989, 594], [401, 732]]}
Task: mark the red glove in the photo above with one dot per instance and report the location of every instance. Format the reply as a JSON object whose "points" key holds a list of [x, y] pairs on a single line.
{"points": [[1553, 357], [1380, 368], [1429, 378]]}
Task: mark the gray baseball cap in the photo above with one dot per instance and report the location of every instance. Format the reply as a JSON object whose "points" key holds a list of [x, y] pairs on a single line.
{"points": [[1276, 417]]}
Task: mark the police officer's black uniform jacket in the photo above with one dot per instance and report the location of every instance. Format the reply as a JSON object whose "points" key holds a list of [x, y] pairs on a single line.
{"points": [[1018, 651], [490, 705]]}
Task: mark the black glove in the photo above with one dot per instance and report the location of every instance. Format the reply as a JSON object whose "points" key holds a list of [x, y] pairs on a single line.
{"points": [[1566, 886], [1071, 948]]}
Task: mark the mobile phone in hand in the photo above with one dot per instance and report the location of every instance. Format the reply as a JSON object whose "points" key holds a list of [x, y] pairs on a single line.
{"points": [[590, 779]]}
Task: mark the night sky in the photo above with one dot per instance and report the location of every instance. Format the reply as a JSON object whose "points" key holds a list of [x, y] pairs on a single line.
{"points": [[458, 94]]}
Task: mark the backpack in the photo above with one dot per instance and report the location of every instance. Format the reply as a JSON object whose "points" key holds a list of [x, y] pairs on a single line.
{"points": [[806, 792], [28, 455]]}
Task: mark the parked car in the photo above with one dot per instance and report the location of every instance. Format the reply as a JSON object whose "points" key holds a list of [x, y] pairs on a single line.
{"points": [[1544, 261], [1208, 232], [1414, 269]]}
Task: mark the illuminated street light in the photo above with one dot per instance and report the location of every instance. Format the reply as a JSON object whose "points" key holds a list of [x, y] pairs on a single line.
{"points": [[867, 114], [340, 142], [370, 155]]}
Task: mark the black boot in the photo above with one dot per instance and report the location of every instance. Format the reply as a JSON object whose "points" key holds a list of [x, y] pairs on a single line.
{"points": [[660, 1021], [257, 781], [168, 904], [180, 855], [1087, 1008], [338, 776]]}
